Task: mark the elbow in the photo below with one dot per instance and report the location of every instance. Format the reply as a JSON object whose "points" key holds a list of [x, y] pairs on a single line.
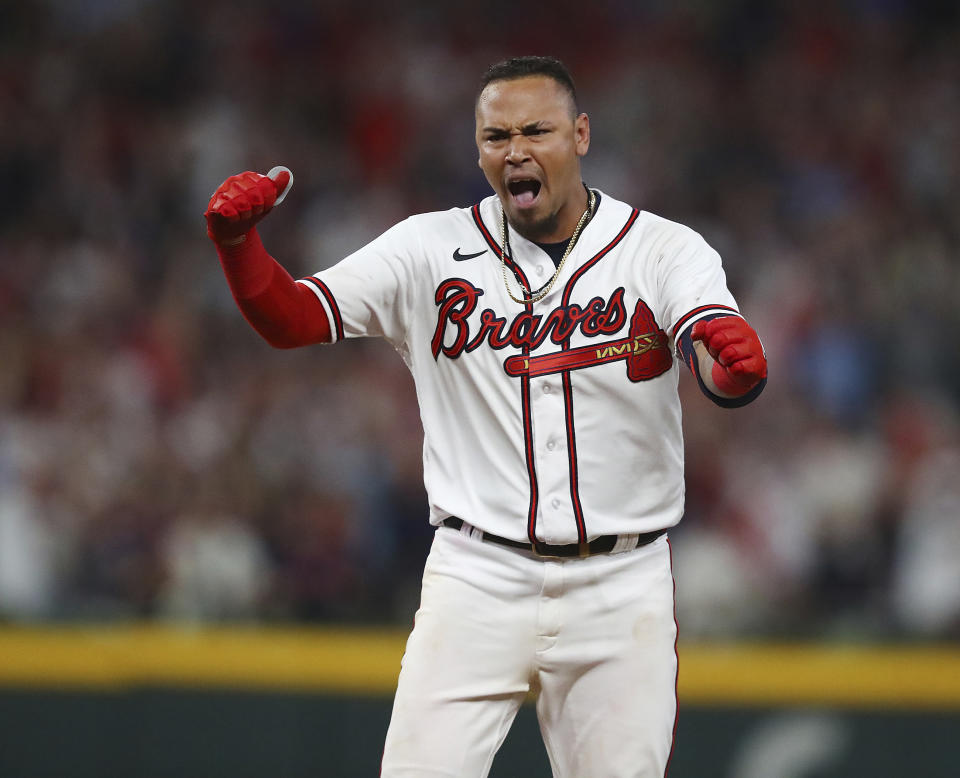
{"points": [[283, 339], [283, 345]]}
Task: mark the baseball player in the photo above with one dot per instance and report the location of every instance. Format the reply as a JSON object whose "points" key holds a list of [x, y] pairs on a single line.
{"points": [[544, 328]]}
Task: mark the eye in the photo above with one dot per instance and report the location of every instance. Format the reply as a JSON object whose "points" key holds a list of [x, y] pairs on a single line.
{"points": [[535, 130], [495, 137]]}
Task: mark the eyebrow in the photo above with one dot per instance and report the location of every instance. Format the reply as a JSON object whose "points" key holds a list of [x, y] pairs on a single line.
{"points": [[537, 125]]}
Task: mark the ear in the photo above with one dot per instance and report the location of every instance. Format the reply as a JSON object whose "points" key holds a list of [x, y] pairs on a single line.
{"points": [[581, 134]]}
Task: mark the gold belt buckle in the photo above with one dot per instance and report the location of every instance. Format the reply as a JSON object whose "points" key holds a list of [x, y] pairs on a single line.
{"points": [[539, 548]]}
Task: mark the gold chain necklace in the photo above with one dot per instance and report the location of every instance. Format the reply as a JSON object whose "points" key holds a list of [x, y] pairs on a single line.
{"points": [[545, 290]]}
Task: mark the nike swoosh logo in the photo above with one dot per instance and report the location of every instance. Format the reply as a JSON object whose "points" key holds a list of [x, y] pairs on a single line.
{"points": [[458, 257]]}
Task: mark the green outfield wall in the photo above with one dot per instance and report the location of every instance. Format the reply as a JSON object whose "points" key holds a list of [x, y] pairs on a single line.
{"points": [[149, 701]]}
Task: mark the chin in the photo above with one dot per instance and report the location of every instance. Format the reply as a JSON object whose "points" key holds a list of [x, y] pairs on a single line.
{"points": [[532, 223]]}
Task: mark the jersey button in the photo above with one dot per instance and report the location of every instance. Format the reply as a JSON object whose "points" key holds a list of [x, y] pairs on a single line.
{"points": [[539, 270], [555, 502], [551, 445], [547, 388]]}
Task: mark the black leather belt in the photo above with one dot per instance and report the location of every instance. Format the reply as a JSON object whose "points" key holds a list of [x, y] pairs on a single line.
{"points": [[602, 545]]}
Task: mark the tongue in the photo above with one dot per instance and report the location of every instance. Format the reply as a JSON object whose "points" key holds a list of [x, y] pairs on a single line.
{"points": [[526, 197]]}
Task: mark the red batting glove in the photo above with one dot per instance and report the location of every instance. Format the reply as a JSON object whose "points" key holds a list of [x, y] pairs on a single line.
{"points": [[739, 361], [240, 202]]}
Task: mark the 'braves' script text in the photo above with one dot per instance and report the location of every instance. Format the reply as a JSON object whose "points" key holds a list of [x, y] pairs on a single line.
{"points": [[457, 299]]}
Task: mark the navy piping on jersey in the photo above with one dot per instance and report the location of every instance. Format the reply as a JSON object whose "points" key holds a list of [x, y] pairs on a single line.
{"points": [[334, 308], [524, 380], [568, 383]]}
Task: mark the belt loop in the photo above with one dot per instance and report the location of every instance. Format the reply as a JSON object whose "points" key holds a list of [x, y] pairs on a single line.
{"points": [[466, 528], [625, 543], [584, 550]]}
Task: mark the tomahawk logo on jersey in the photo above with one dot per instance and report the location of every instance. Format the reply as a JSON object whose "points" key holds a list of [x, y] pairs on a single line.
{"points": [[589, 368]]}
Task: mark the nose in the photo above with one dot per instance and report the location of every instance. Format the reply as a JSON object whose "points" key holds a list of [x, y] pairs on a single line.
{"points": [[517, 150]]}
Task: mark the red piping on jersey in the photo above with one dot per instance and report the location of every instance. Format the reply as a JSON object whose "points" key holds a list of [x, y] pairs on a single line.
{"points": [[686, 317], [331, 301], [568, 384], [524, 379]]}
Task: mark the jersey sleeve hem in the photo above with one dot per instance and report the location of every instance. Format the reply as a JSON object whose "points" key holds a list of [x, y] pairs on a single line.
{"points": [[329, 303], [703, 311]]}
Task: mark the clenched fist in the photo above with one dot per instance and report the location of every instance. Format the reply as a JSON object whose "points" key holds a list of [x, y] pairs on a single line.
{"points": [[740, 363], [243, 200]]}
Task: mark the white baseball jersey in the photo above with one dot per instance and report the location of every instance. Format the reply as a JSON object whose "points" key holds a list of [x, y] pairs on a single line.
{"points": [[557, 420]]}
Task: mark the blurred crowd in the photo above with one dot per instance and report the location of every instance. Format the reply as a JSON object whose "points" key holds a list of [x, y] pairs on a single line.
{"points": [[158, 460]]}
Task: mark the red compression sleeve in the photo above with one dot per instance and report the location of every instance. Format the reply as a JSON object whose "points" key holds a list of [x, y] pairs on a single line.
{"points": [[285, 313]]}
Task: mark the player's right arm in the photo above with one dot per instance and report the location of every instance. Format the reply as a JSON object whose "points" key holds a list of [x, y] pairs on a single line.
{"points": [[285, 313]]}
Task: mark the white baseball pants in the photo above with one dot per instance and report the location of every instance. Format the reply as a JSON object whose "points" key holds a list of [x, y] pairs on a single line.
{"points": [[594, 639]]}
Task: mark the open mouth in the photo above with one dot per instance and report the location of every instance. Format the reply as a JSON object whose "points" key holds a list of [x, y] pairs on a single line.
{"points": [[524, 191]]}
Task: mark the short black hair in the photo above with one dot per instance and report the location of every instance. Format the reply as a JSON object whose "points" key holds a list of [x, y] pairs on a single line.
{"points": [[521, 67]]}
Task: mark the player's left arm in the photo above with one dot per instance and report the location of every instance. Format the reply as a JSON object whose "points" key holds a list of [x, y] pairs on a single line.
{"points": [[725, 354]]}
